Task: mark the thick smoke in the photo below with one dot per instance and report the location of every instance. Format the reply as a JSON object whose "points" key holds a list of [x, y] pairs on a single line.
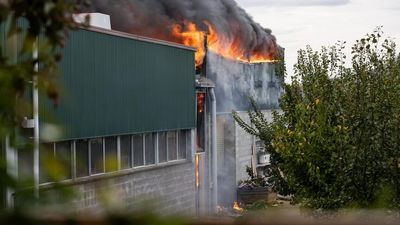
{"points": [[155, 18]]}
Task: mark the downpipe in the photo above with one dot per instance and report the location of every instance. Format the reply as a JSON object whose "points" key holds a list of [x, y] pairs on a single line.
{"points": [[214, 151]]}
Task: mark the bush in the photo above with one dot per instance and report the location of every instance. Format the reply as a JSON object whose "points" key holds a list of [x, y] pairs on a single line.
{"points": [[336, 142]]}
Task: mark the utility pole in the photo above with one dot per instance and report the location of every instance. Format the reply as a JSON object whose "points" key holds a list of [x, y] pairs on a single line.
{"points": [[36, 121]]}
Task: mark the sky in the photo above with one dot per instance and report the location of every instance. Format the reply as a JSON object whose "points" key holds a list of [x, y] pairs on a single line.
{"points": [[297, 23]]}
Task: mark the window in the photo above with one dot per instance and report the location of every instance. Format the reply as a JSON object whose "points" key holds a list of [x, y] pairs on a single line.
{"points": [[46, 157], [82, 158], [162, 147], [172, 148], [200, 131], [150, 149], [111, 154], [100, 155], [138, 156], [25, 164], [96, 156], [126, 152], [64, 159], [183, 143]]}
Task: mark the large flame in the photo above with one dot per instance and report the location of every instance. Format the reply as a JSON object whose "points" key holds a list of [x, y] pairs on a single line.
{"points": [[190, 35]]}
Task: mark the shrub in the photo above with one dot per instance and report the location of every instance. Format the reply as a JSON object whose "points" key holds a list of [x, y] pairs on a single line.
{"points": [[336, 142]]}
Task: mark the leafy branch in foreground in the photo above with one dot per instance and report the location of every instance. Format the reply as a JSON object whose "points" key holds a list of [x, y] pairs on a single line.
{"points": [[32, 33]]}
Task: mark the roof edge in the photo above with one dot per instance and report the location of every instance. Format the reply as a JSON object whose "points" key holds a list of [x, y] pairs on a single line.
{"points": [[137, 37]]}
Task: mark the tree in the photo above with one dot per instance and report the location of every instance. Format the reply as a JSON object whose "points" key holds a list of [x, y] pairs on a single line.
{"points": [[336, 142], [28, 27]]}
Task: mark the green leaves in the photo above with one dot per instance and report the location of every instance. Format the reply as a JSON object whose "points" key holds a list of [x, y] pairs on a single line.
{"points": [[337, 142], [29, 28]]}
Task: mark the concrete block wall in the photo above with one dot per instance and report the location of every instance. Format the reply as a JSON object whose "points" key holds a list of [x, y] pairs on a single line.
{"points": [[243, 147], [226, 160], [165, 189]]}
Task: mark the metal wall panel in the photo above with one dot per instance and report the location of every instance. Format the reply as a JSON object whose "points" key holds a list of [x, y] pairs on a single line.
{"points": [[112, 85]]}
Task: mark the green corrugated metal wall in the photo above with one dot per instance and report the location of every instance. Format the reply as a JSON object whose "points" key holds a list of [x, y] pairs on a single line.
{"points": [[114, 85]]}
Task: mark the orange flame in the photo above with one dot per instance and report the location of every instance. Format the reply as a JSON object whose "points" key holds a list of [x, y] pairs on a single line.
{"points": [[193, 37], [237, 208]]}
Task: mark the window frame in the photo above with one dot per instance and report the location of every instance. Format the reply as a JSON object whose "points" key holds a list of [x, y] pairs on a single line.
{"points": [[156, 147]]}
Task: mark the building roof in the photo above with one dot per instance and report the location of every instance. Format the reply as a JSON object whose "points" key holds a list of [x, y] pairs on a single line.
{"points": [[139, 38]]}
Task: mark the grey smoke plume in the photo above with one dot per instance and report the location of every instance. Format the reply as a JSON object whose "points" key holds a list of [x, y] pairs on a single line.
{"points": [[155, 18]]}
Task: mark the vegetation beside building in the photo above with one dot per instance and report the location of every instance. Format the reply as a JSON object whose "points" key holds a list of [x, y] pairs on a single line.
{"points": [[336, 143]]}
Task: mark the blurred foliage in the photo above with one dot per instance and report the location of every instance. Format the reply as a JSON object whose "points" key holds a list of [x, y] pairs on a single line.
{"points": [[27, 28], [336, 142], [257, 206], [143, 218]]}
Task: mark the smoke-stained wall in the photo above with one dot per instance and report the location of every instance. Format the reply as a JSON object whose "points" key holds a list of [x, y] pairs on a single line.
{"points": [[236, 82], [226, 156], [236, 150]]}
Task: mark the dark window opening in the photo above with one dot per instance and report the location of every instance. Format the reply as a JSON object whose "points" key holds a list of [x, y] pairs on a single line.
{"points": [[138, 150], [149, 149], [162, 147], [183, 143], [64, 159], [25, 166], [82, 158], [96, 156], [172, 147], [200, 121], [46, 161], [111, 154], [126, 152]]}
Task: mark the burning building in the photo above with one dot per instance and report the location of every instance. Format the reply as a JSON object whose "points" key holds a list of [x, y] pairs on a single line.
{"points": [[235, 59], [123, 133], [161, 111]]}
